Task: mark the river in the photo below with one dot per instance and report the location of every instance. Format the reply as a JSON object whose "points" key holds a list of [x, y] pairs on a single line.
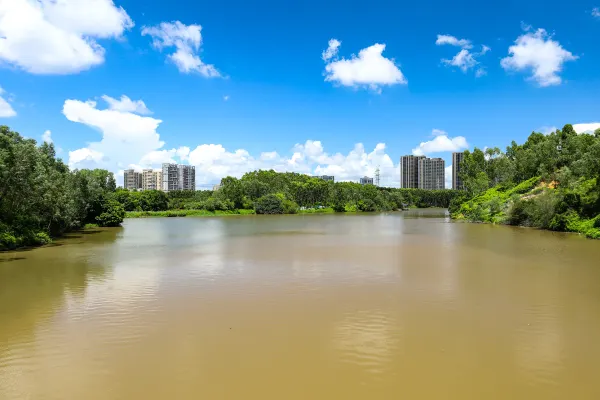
{"points": [[384, 306]]}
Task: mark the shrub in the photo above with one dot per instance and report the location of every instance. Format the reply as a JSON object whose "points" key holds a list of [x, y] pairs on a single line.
{"points": [[112, 214], [289, 207], [7, 241], [269, 204]]}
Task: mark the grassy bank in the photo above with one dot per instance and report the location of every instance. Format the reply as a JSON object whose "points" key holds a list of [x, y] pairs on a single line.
{"points": [[532, 203]]}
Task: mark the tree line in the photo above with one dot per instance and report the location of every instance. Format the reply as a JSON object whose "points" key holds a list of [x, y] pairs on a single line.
{"points": [[41, 198], [550, 181], [270, 192]]}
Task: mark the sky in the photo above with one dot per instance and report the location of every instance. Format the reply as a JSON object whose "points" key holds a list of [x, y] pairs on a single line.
{"points": [[334, 87]]}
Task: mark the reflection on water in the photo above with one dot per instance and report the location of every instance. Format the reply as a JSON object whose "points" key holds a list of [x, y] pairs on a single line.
{"points": [[303, 307]]}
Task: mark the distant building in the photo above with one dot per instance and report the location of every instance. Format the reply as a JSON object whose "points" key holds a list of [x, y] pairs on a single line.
{"points": [[328, 178], [365, 180], [151, 180], [409, 171], [186, 177], [432, 174], [132, 180], [178, 177], [457, 159]]}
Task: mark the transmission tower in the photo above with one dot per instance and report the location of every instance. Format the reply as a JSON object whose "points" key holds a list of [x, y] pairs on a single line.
{"points": [[377, 176]]}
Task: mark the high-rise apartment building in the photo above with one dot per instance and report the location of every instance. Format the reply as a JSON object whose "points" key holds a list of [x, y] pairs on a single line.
{"points": [[328, 178], [365, 180], [186, 175], [431, 173], [151, 180], [457, 159], [178, 177], [409, 171], [132, 180]]}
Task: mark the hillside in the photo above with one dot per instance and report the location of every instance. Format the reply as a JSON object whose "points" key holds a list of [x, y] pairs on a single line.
{"points": [[550, 182]]}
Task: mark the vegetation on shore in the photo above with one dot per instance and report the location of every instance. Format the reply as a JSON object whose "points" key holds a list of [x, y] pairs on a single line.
{"points": [[41, 198], [270, 192], [550, 182]]}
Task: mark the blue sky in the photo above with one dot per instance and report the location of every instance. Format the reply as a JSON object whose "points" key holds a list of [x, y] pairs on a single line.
{"points": [[254, 87]]}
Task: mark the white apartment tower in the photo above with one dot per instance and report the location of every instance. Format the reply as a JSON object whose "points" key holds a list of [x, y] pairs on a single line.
{"points": [[151, 180], [178, 177]]}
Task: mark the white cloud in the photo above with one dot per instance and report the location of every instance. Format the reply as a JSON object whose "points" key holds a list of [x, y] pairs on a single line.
{"points": [[453, 41], [440, 144], [438, 132], [213, 162], [58, 36], [464, 59], [448, 176], [225, 98], [127, 105], [85, 158], [6, 109], [369, 69], [536, 51], [187, 40], [47, 137], [126, 137], [596, 12], [332, 50], [586, 128]]}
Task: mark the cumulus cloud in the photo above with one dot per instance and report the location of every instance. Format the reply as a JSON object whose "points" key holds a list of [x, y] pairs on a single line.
{"points": [[536, 51], [213, 162], [130, 140], [448, 176], [369, 69], [465, 59], [126, 137], [187, 40], [453, 41], [47, 137], [58, 36], [127, 105], [441, 143], [586, 128], [6, 109]]}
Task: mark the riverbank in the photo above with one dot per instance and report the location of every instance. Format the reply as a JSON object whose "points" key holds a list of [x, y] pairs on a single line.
{"points": [[205, 213], [534, 204]]}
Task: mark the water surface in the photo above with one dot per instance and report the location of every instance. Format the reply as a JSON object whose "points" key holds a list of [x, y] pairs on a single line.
{"points": [[381, 306]]}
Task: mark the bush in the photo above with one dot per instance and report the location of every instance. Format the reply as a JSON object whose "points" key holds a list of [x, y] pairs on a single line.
{"points": [[366, 205], [269, 204], [289, 207], [7, 241], [112, 214]]}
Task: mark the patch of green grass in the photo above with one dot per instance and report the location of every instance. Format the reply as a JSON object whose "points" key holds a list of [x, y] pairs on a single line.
{"points": [[90, 226], [327, 210]]}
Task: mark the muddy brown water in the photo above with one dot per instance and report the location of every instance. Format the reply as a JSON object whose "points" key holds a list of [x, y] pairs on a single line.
{"points": [[383, 306]]}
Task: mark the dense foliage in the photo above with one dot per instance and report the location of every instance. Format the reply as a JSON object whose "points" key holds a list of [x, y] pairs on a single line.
{"points": [[270, 192], [40, 198], [550, 182]]}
